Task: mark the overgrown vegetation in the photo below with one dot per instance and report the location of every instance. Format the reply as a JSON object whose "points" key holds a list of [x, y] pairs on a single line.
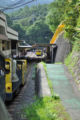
{"points": [[56, 13], [72, 62], [47, 108], [68, 12]]}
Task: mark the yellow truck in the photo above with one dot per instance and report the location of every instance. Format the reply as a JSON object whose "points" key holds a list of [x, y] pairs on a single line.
{"points": [[39, 52]]}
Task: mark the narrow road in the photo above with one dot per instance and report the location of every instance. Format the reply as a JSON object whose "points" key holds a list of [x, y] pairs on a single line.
{"points": [[64, 85], [24, 98]]}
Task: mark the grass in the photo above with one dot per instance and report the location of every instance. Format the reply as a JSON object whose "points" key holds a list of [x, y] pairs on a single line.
{"points": [[58, 63], [34, 72], [72, 59], [47, 108], [70, 62]]}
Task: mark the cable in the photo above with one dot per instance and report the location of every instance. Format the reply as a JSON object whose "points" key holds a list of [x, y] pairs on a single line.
{"points": [[17, 6], [18, 18], [22, 17], [18, 2]]}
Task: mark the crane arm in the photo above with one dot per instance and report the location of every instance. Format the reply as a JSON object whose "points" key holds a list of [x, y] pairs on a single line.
{"points": [[59, 29]]}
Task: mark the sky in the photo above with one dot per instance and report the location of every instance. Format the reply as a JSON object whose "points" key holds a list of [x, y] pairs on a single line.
{"points": [[4, 3], [41, 1]]}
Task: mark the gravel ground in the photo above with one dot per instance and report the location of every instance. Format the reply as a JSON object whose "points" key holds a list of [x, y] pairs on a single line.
{"points": [[25, 97]]}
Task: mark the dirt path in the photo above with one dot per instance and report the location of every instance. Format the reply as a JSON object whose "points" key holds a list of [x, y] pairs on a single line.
{"points": [[64, 85]]}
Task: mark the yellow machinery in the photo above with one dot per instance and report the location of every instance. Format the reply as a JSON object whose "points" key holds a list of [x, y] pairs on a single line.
{"points": [[15, 76], [8, 77], [11, 78], [56, 34], [38, 52]]}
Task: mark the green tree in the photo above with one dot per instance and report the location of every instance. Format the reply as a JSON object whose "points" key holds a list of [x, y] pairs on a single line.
{"points": [[9, 21], [39, 32], [30, 23], [71, 16], [56, 13], [20, 30]]}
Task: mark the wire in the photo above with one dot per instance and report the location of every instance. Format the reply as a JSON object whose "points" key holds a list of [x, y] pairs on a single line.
{"points": [[37, 3], [17, 6], [18, 18], [18, 2], [22, 17]]}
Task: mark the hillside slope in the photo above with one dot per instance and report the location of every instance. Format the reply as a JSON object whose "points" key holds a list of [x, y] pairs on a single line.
{"points": [[31, 25]]}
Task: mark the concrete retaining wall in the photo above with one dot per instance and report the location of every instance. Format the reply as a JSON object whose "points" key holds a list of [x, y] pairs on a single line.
{"points": [[63, 48], [41, 82]]}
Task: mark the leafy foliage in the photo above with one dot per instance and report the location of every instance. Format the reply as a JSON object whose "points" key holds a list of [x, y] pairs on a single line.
{"points": [[31, 25], [39, 32], [47, 108], [71, 16], [56, 13], [67, 11], [21, 32]]}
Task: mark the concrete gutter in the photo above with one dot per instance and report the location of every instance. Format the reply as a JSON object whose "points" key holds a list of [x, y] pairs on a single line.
{"points": [[42, 83]]}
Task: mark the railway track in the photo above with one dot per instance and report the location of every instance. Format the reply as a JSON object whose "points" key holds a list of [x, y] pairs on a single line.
{"points": [[25, 97]]}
